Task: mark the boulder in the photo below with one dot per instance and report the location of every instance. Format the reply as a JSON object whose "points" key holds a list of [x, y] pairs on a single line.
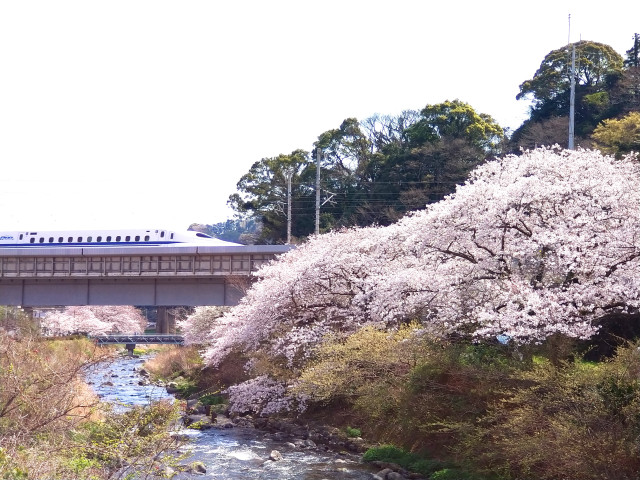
{"points": [[395, 476], [275, 455], [198, 467], [197, 422], [383, 473], [172, 387], [220, 421]]}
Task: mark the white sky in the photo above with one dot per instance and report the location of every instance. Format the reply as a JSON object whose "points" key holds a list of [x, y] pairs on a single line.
{"points": [[146, 113]]}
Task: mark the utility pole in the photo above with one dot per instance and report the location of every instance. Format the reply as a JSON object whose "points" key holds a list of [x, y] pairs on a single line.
{"points": [[318, 154], [289, 174], [572, 98]]}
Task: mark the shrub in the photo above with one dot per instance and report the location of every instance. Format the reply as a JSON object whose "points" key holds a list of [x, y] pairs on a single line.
{"points": [[353, 432], [212, 399], [408, 460], [133, 442], [577, 422]]}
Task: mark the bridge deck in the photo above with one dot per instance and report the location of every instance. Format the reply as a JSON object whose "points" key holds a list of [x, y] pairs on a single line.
{"points": [[131, 265], [163, 276], [138, 339]]}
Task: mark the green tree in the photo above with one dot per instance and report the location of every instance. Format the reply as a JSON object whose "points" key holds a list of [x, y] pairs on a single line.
{"points": [[372, 171], [619, 136], [597, 65], [346, 151], [633, 54], [262, 194], [457, 120], [598, 70], [625, 97], [435, 153]]}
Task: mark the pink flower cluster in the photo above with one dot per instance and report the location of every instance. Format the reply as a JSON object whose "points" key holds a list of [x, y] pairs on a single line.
{"points": [[197, 326], [262, 395], [94, 320], [535, 244]]}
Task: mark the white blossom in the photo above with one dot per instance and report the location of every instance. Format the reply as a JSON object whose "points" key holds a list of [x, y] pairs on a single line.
{"points": [[94, 320], [531, 245]]}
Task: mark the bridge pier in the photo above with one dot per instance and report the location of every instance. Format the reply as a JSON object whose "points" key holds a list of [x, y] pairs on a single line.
{"points": [[166, 321], [130, 348]]}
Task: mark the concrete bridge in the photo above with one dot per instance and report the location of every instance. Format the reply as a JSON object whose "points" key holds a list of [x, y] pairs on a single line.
{"points": [[186, 275]]}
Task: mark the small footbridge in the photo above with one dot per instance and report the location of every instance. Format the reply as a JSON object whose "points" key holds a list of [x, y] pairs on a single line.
{"points": [[131, 340]]}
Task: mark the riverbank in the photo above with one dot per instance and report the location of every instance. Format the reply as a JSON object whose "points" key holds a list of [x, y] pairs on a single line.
{"points": [[466, 411], [232, 447], [301, 434]]}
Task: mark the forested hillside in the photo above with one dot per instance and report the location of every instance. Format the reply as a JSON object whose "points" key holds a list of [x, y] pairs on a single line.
{"points": [[374, 171]]}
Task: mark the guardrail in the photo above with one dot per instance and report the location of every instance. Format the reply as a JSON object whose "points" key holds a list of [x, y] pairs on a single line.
{"points": [[169, 339], [131, 266]]}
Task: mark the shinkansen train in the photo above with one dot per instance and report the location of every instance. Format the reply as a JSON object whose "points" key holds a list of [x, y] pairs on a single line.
{"points": [[105, 238]]}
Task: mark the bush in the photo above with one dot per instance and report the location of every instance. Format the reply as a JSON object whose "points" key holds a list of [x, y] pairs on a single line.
{"points": [[212, 399], [186, 388], [408, 460], [353, 432], [577, 422], [133, 442]]}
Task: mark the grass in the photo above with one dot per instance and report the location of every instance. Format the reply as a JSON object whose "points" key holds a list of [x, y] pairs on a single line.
{"points": [[353, 432], [212, 399], [410, 461]]}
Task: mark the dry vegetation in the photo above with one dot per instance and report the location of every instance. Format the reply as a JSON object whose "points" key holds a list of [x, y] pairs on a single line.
{"points": [[174, 361], [52, 426]]}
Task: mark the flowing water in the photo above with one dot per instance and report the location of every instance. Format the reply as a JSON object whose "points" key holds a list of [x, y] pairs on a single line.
{"points": [[232, 454]]}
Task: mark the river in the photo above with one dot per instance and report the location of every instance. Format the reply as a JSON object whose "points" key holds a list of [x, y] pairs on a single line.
{"points": [[234, 453]]}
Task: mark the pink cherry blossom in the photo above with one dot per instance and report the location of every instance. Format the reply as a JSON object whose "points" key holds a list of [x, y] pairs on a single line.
{"points": [[197, 326], [531, 245], [94, 320]]}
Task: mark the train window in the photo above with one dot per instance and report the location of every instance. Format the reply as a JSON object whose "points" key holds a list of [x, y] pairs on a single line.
{"points": [[21, 235], [70, 239], [108, 238], [32, 240], [60, 239], [172, 236], [161, 234], [127, 238], [41, 240], [89, 239], [137, 238], [50, 239], [146, 238], [118, 238], [99, 239], [79, 239]]}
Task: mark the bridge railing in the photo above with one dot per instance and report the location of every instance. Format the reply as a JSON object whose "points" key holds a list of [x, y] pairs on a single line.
{"points": [[138, 339], [131, 265]]}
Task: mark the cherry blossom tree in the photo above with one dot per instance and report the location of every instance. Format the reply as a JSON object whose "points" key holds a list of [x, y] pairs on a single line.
{"points": [[197, 326], [318, 288], [532, 245], [94, 320]]}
